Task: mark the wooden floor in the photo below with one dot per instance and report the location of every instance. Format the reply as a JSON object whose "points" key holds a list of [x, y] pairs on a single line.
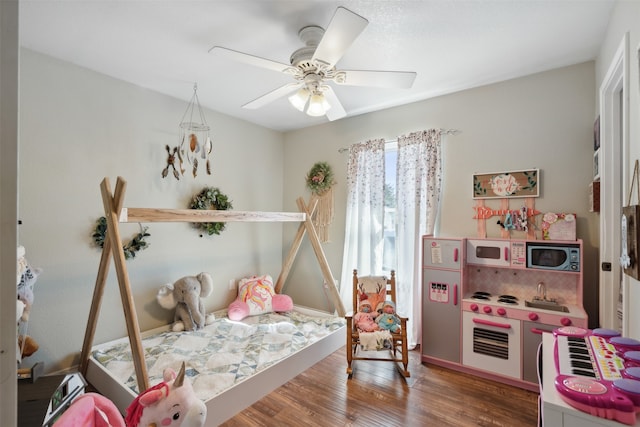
{"points": [[377, 395]]}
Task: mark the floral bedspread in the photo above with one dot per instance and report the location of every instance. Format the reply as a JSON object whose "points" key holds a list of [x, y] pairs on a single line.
{"points": [[221, 354]]}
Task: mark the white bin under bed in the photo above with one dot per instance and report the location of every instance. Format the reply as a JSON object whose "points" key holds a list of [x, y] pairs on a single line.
{"points": [[231, 364]]}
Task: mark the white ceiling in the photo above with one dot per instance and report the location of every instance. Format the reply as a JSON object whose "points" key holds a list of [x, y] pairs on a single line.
{"points": [[451, 44]]}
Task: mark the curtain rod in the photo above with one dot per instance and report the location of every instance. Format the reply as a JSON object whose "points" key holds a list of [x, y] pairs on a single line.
{"points": [[391, 141]]}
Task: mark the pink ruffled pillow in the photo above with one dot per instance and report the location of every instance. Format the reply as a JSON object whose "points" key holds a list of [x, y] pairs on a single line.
{"points": [[256, 296]]}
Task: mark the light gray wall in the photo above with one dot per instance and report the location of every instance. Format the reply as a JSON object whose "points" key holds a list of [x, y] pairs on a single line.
{"points": [[78, 127], [624, 19], [541, 121]]}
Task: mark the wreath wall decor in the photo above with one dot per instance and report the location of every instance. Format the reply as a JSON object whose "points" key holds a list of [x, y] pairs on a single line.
{"points": [[210, 198], [136, 244], [320, 178], [320, 181]]}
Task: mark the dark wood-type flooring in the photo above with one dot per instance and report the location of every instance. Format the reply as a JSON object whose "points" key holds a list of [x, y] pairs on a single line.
{"points": [[377, 395]]}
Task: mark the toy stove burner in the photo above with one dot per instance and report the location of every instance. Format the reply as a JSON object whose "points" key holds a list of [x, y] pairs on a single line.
{"points": [[479, 295], [508, 299]]}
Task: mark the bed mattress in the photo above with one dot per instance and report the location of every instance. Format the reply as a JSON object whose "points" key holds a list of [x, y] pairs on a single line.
{"points": [[224, 353]]}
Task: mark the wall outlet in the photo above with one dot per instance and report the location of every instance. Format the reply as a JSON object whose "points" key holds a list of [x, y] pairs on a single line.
{"points": [[232, 284]]}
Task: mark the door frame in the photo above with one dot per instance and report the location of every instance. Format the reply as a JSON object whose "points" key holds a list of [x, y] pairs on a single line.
{"points": [[614, 151]]}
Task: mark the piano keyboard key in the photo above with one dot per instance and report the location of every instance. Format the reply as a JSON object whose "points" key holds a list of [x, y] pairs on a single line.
{"points": [[574, 358]]}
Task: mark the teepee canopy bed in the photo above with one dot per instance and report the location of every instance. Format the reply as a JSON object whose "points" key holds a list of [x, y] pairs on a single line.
{"points": [[255, 355]]}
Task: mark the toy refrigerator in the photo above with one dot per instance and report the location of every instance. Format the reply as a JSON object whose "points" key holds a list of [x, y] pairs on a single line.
{"points": [[442, 267]]}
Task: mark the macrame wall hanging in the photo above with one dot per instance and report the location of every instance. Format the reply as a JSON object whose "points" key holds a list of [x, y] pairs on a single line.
{"points": [[320, 181]]}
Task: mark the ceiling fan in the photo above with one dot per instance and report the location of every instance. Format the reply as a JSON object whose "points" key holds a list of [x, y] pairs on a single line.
{"points": [[313, 67]]}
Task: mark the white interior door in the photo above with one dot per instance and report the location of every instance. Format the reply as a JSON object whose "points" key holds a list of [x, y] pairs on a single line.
{"points": [[614, 151], [9, 96]]}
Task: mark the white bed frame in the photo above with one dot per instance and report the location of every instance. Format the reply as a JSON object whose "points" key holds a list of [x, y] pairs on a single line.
{"points": [[239, 396], [243, 394]]}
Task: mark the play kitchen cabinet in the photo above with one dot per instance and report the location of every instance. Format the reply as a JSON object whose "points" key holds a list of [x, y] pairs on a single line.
{"points": [[504, 302]]}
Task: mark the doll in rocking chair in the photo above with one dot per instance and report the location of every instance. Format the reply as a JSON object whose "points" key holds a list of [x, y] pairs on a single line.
{"points": [[365, 318]]}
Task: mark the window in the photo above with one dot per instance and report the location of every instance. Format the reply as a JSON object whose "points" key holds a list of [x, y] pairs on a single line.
{"points": [[389, 248]]}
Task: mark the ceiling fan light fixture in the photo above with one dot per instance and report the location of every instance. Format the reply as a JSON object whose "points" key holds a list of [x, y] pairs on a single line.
{"points": [[318, 105], [314, 65], [300, 98]]}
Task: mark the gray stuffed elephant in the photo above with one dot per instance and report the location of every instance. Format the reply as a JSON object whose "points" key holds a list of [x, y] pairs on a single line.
{"points": [[185, 295]]}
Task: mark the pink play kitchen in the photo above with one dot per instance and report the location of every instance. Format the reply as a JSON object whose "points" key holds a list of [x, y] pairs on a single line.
{"points": [[486, 303], [510, 309]]}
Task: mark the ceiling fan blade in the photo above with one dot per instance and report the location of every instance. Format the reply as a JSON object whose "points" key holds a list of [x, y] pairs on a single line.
{"points": [[273, 95], [344, 28], [337, 110], [246, 58], [390, 79]]}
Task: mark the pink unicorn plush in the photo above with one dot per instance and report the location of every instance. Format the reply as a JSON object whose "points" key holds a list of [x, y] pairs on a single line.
{"points": [[171, 403]]}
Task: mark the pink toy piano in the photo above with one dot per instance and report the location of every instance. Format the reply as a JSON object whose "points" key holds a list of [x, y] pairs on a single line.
{"points": [[598, 372]]}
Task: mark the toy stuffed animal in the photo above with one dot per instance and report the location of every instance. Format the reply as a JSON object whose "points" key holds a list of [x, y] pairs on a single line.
{"points": [[27, 345], [172, 403], [388, 320], [25, 289], [185, 295], [364, 319], [21, 264], [256, 296], [19, 310], [91, 410]]}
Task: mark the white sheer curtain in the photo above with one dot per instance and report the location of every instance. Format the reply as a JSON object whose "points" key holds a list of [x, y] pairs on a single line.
{"points": [[363, 242], [418, 192]]}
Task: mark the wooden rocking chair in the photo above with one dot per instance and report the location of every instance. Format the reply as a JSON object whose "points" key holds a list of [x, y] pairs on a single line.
{"points": [[386, 290]]}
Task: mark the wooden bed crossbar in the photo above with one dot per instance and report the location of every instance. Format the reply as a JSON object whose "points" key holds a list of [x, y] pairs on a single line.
{"points": [[191, 215], [115, 213]]}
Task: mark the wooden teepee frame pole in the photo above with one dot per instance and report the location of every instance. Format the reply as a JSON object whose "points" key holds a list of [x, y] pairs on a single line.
{"points": [[308, 227], [112, 208], [101, 280], [115, 213]]}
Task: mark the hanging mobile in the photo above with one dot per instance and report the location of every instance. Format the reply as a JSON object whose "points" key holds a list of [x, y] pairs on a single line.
{"points": [[194, 136]]}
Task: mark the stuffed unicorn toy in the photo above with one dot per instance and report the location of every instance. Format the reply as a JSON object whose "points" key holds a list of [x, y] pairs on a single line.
{"points": [[172, 403]]}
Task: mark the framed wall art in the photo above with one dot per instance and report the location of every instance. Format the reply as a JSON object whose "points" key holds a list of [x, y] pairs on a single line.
{"points": [[630, 231], [594, 196], [501, 185]]}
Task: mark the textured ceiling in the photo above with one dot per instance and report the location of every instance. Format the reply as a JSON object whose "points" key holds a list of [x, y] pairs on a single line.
{"points": [[451, 44]]}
